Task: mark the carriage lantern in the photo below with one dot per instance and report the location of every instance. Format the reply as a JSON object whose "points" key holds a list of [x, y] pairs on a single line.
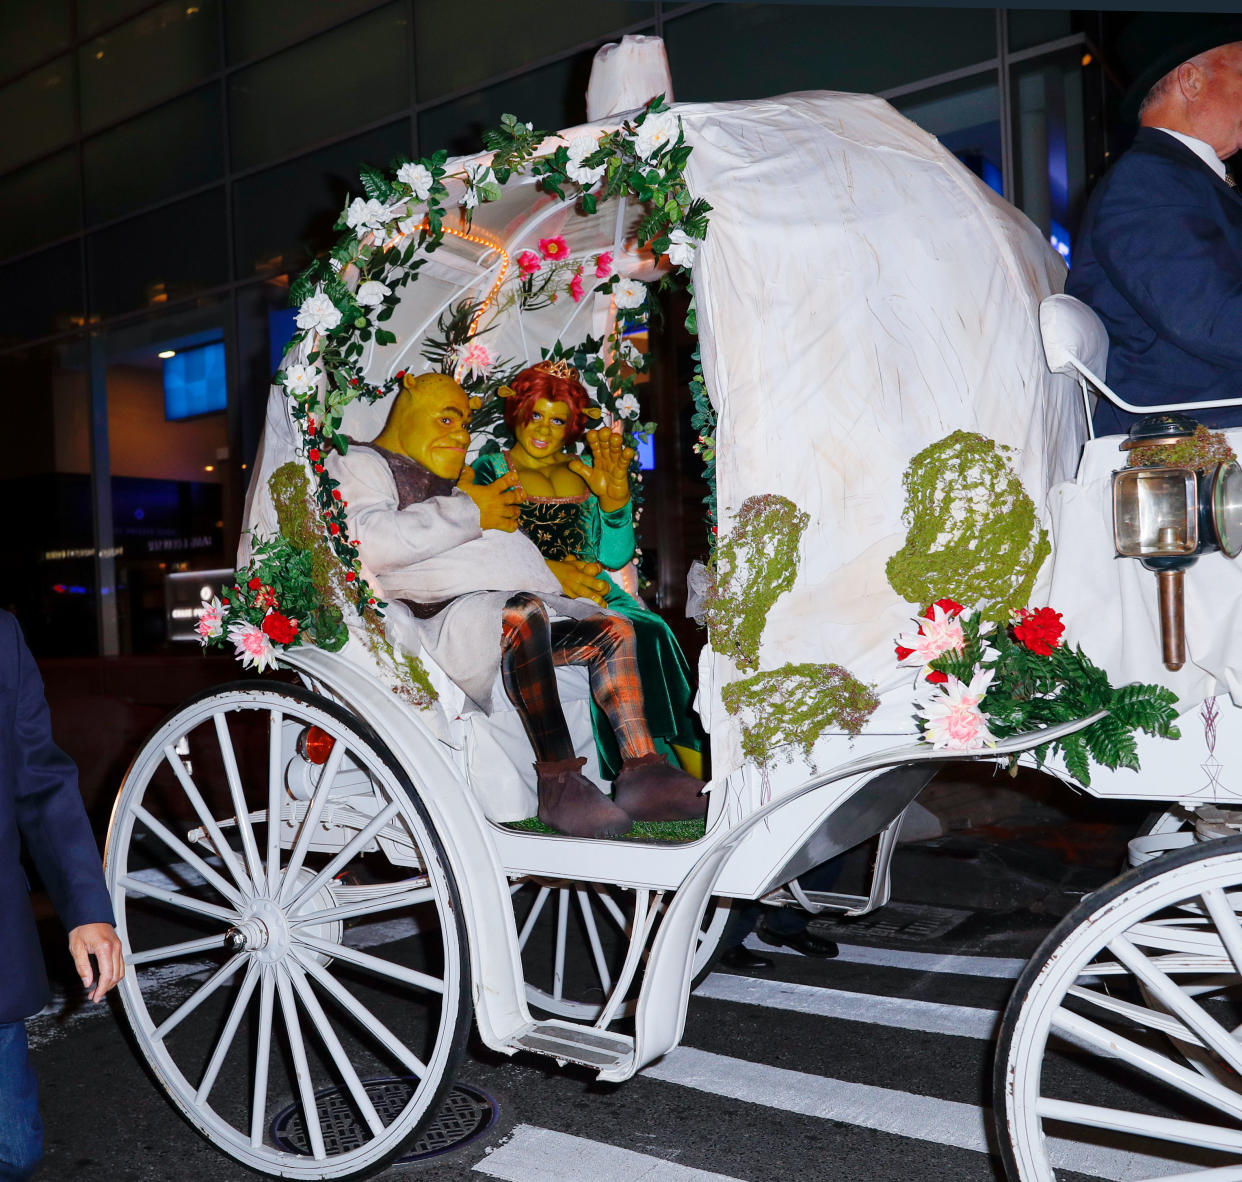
{"points": [[1168, 516]]}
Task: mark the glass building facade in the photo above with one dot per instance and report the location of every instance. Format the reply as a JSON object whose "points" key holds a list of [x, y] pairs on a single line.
{"points": [[167, 167]]}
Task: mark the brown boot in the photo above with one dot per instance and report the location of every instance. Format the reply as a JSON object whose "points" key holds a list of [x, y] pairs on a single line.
{"points": [[571, 804], [650, 789]]}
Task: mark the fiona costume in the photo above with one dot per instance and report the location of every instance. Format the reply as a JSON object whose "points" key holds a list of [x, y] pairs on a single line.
{"points": [[575, 527]]}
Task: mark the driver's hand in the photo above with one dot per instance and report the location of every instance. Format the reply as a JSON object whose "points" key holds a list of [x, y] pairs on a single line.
{"points": [[578, 581], [498, 502]]}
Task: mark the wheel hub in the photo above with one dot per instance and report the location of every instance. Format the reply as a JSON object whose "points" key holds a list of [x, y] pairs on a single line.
{"points": [[262, 931]]}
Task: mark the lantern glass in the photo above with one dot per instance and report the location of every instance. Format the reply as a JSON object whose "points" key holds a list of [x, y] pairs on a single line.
{"points": [[1227, 507], [1155, 512]]}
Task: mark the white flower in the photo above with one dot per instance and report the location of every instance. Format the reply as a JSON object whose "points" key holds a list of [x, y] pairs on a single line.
{"points": [[253, 646], [480, 180], [580, 147], [210, 623], [631, 356], [530, 127], [319, 314], [301, 379], [371, 293], [656, 133], [470, 198], [366, 216], [629, 293], [410, 224], [681, 248], [336, 265], [418, 177], [627, 406], [954, 720]]}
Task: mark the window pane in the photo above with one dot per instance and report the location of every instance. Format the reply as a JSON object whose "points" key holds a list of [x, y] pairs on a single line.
{"points": [[47, 567], [283, 216], [159, 256], [257, 27], [551, 98], [735, 51], [36, 113], [965, 118], [31, 33], [1029, 27], [183, 136], [452, 54], [273, 111], [39, 204], [97, 14], [140, 63], [42, 294]]}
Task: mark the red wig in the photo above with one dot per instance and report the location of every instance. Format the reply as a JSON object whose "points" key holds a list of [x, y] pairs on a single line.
{"points": [[534, 383]]}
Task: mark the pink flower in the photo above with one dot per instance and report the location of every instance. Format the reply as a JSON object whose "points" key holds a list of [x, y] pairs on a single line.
{"points": [[575, 287], [211, 622], [253, 647], [528, 263], [939, 632], [475, 359], [953, 719], [603, 265], [553, 248]]}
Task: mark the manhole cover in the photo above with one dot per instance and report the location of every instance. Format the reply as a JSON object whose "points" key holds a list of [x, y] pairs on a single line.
{"points": [[465, 1114], [903, 921]]}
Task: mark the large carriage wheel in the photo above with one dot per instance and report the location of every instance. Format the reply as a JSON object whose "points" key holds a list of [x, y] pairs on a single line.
{"points": [[300, 989], [1123, 1034], [583, 943]]}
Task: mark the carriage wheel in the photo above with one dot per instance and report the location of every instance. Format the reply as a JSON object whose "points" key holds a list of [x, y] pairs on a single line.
{"points": [[300, 988], [1124, 1034], [1161, 831], [575, 937]]}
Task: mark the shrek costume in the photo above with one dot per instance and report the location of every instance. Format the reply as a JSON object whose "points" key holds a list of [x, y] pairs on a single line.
{"points": [[575, 527]]}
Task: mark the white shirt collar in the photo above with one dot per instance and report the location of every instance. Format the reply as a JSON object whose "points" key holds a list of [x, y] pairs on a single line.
{"points": [[1203, 150]]}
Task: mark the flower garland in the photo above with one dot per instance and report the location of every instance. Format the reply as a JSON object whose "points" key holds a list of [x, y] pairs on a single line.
{"points": [[985, 680], [346, 298]]}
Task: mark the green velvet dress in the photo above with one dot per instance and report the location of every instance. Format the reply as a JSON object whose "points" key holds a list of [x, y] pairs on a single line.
{"points": [[575, 527]]}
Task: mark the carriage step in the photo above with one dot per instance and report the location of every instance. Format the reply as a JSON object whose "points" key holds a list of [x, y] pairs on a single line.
{"points": [[577, 1044]]}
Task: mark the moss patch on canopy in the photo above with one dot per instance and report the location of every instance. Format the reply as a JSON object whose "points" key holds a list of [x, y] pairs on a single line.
{"points": [[973, 532]]}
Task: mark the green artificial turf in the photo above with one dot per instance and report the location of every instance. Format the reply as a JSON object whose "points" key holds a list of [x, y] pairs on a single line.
{"points": [[642, 831]]}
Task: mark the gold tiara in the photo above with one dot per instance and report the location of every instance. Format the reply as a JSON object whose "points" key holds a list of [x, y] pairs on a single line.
{"points": [[558, 368]]}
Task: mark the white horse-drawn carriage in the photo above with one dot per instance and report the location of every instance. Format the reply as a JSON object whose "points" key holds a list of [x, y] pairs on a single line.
{"points": [[340, 856]]}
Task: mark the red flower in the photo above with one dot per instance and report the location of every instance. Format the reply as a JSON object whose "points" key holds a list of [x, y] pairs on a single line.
{"points": [[334, 529], [937, 678], [314, 455], [224, 599], [528, 263], [353, 381], [1039, 630], [553, 248], [350, 576], [255, 583], [400, 374], [903, 653], [336, 494], [318, 467], [950, 608], [575, 287], [280, 628]]}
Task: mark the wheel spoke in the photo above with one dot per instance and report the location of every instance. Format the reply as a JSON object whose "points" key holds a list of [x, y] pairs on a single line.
{"points": [[225, 1041], [373, 964], [348, 851], [535, 908], [1152, 1019], [249, 849], [179, 847], [301, 1069], [311, 819], [196, 999], [135, 886], [562, 918], [262, 1058], [275, 795], [170, 951], [1161, 1128], [1227, 926], [597, 952], [390, 901], [323, 1028], [192, 794], [366, 1020]]}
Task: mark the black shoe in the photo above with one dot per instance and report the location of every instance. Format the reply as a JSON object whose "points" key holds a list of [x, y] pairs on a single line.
{"points": [[806, 942], [741, 957]]}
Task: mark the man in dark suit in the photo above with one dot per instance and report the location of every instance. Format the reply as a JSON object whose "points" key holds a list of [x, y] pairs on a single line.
{"points": [[1159, 256], [39, 805]]}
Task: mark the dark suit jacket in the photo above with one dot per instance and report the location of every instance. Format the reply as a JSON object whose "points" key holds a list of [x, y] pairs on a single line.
{"points": [[1159, 258], [39, 804]]}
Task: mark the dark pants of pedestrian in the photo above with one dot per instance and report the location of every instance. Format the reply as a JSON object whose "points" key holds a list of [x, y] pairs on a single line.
{"points": [[21, 1130], [781, 921], [532, 646]]}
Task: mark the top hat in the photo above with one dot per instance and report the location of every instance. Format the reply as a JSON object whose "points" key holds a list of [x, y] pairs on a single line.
{"points": [[1154, 43]]}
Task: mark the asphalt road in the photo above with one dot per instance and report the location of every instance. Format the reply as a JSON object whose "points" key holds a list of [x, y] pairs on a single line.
{"points": [[874, 1066]]}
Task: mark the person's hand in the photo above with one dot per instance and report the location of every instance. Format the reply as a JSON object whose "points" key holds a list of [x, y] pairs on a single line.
{"points": [[100, 941], [498, 502], [609, 479], [577, 579]]}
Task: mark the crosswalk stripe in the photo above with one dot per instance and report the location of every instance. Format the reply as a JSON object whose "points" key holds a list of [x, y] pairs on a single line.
{"points": [[542, 1155], [886, 1110], [876, 1009], [927, 962]]}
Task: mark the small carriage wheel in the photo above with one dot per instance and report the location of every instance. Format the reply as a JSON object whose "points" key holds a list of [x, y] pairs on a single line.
{"points": [[317, 965], [1126, 1025], [574, 937]]}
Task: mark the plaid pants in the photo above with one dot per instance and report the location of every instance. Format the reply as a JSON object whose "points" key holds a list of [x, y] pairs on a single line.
{"points": [[531, 648]]}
